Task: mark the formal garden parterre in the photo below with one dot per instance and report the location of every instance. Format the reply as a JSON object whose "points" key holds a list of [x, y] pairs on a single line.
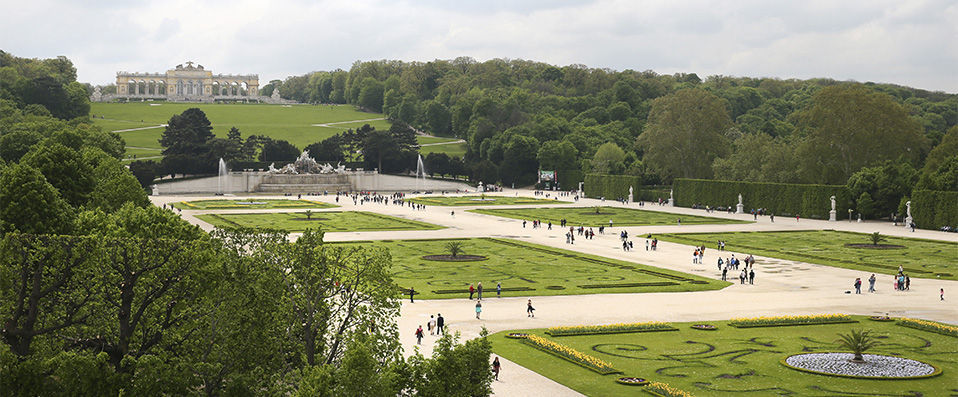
{"points": [[328, 221], [735, 361], [249, 203], [524, 269], [919, 258], [589, 217]]}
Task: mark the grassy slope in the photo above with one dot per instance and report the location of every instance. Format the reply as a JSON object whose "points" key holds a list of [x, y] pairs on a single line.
{"points": [[330, 221], [586, 216], [520, 264], [736, 362], [920, 258]]}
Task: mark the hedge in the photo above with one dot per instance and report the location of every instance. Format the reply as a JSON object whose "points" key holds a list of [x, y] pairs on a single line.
{"points": [[786, 199], [617, 186], [932, 209], [569, 179]]}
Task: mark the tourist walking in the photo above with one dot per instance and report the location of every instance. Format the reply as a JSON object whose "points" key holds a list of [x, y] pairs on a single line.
{"points": [[530, 311], [472, 290], [412, 291], [858, 285], [724, 273], [478, 309], [751, 275], [495, 368], [498, 290], [871, 283], [942, 294], [479, 290], [431, 325], [440, 324], [419, 335]]}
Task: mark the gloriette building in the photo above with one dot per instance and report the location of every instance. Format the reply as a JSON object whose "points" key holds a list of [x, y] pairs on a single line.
{"points": [[187, 83]]}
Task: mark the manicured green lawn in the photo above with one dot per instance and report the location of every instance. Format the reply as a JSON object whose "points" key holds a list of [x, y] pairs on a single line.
{"points": [[736, 362], [586, 216], [328, 221], [482, 200], [920, 258], [249, 203], [534, 269], [293, 123], [452, 150]]}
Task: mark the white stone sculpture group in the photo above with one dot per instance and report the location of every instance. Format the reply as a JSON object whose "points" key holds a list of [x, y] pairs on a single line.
{"points": [[307, 165]]}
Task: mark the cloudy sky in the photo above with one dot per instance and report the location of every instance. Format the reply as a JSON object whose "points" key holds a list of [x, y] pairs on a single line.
{"points": [[912, 43]]}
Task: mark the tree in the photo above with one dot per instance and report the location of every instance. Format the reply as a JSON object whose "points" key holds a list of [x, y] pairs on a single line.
{"points": [[330, 149], [187, 133], [454, 369], [557, 155], [944, 178], [29, 204], [53, 288], [64, 168], [438, 118], [116, 186], [144, 172], [885, 183], [608, 159], [371, 95], [454, 248], [15, 144], [876, 238], [391, 150], [685, 134], [849, 127], [858, 341], [519, 165], [437, 163], [865, 204], [278, 150]]}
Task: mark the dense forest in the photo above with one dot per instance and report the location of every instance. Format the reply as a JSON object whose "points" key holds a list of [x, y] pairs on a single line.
{"points": [[520, 116], [102, 293]]}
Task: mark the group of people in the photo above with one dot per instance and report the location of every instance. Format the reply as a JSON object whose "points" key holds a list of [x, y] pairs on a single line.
{"points": [[477, 288], [436, 326], [746, 275]]}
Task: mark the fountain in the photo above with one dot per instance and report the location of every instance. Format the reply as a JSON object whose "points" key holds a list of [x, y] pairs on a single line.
{"points": [[223, 182], [420, 174]]}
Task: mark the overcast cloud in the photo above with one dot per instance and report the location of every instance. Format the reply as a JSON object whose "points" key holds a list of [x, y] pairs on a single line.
{"points": [[912, 43]]}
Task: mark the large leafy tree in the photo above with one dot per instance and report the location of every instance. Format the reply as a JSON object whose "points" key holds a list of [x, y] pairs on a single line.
{"points": [[685, 133], [278, 150], [187, 133], [609, 159], [849, 127], [557, 155], [329, 149], [64, 168], [884, 184], [116, 186], [29, 204]]}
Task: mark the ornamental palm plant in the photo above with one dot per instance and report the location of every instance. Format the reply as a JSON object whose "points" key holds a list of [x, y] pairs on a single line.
{"points": [[454, 248], [858, 341], [877, 238]]}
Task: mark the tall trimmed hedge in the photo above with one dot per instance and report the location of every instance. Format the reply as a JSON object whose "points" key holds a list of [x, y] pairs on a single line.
{"points": [[617, 186], [810, 201], [569, 179], [933, 209]]}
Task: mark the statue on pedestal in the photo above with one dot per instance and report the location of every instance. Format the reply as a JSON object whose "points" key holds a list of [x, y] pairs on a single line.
{"points": [[908, 218], [671, 202], [740, 208], [630, 194], [832, 215]]}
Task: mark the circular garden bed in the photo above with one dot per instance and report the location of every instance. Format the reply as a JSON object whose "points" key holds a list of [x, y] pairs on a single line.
{"points": [[632, 381], [874, 367], [876, 247], [704, 327], [881, 318], [457, 258]]}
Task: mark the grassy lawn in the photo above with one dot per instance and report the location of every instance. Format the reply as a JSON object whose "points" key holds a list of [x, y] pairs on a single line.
{"points": [[294, 123], [329, 221], [525, 269], [249, 203], [736, 362], [482, 200], [586, 216], [919, 258]]}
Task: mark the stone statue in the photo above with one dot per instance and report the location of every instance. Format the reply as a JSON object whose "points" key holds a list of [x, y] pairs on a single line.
{"points": [[670, 195], [272, 168], [740, 199], [739, 208], [833, 215], [340, 168], [630, 194], [908, 208], [833, 203]]}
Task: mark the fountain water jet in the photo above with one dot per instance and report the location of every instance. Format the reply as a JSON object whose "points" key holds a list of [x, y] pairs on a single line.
{"points": [[223, 182], [420, 174]]}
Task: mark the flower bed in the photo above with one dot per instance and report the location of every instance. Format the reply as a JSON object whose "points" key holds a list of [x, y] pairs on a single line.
{"points": [[610, 329], [517, 335], [632, 381], [663, 389], [881, 318], [790, 320], [571, 354], [874, 367], [929, 326], [704, 327]]}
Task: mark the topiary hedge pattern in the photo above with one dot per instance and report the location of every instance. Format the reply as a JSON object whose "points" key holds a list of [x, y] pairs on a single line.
{"points": [[614, 187], [932, 209], [786, 199]]}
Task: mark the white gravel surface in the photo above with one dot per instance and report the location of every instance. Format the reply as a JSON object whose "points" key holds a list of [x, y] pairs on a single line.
{"points": [[874, 365]]}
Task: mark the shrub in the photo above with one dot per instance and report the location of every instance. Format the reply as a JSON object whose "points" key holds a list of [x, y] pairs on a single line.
{"points": [[790, 320], [571, 354], [932, 209], [454, 248], [858, 342], [877, 238]]}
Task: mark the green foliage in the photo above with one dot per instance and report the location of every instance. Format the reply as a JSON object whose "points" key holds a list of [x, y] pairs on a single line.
{"points": [[278, 150], [115, 186], [933, 209], [454, 369], [850, 127], [858, 342], [865, 205], [876, 238], [580, 216], [810, 201], [608, 159], [885, 185], [64, 168], [454, 248], [685, 133], [29, 204]]}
